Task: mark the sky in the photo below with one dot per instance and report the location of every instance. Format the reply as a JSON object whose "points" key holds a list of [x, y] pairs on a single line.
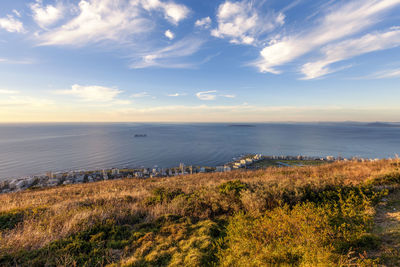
{"points": [[199, 61]]}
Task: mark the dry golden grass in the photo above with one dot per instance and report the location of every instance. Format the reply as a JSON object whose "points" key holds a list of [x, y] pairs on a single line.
{"points": [[347, 172], [56, 213]]}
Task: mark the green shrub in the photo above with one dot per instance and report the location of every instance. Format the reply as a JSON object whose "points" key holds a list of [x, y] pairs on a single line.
{"points": [[324, 224], [283, 236], [234, 187]]}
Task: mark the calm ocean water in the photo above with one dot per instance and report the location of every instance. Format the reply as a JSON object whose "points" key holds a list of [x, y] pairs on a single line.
{"points": [[27, 149]]}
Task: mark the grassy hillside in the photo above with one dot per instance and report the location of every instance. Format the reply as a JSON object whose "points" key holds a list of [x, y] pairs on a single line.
{"points": [[307, 216]]}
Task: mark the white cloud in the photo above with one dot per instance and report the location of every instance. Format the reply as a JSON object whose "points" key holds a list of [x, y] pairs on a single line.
{"points": [[242, 23], [127, 24], [172, 11], [91, 93], [18, 62], [170, 35], [342, 20], [17, 13], [211, 95], [97, 21], [203, 23], [46, 15], [350, 48], [176, 94], [206, 95], [8, 92], [140, 95], [10, 24], [169, 57], [120, 21]]}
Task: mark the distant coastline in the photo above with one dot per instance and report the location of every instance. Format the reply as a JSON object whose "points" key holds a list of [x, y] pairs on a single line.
{"points": [[241, 125], [382, 124]]}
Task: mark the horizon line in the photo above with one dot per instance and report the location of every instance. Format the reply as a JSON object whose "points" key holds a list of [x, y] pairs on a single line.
{"points": [[182, 122]]}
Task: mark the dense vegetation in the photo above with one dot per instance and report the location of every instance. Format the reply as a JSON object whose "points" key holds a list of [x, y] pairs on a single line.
{"points": [[301, 216]]}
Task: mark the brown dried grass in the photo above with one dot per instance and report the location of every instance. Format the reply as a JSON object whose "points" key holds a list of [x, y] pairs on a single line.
{"points": [[62, 211]]}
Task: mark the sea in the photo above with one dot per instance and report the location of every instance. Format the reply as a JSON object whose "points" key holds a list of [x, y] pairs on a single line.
{"points": [[33, 149]]}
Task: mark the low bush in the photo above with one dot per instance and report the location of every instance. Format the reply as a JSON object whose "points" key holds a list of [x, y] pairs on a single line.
{"points": [[316, 231], [232, 187], [298, 236]]}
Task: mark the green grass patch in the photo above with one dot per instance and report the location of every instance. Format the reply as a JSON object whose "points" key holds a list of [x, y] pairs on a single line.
{"points": [[232, 187]]}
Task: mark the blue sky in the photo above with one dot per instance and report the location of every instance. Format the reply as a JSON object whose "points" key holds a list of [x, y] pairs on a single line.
{"points": [[199, 61]]}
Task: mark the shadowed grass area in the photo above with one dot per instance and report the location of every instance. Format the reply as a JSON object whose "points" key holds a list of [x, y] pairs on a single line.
{"points": [[387, 226], [302, 216], [10, 219], [170, 240]]}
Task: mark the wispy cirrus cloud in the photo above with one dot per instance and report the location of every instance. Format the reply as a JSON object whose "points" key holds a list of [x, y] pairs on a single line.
{"points": [[92, 93], [8, 92], [212, 95], [16, 101], [207, 95], [341, 20], [350, 48], [228, 96], [171, 56], [177, 94], [17, 61], [385, 74], [140, 95]]}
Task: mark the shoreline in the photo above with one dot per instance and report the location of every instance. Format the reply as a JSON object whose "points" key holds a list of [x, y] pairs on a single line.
{"points": [[249, 161]]}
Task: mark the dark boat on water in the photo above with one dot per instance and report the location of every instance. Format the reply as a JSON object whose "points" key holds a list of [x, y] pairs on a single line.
{"points": [[140, 135]]}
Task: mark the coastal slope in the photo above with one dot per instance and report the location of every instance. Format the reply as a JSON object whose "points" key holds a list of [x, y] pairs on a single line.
{"points": [[305, 215]]}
